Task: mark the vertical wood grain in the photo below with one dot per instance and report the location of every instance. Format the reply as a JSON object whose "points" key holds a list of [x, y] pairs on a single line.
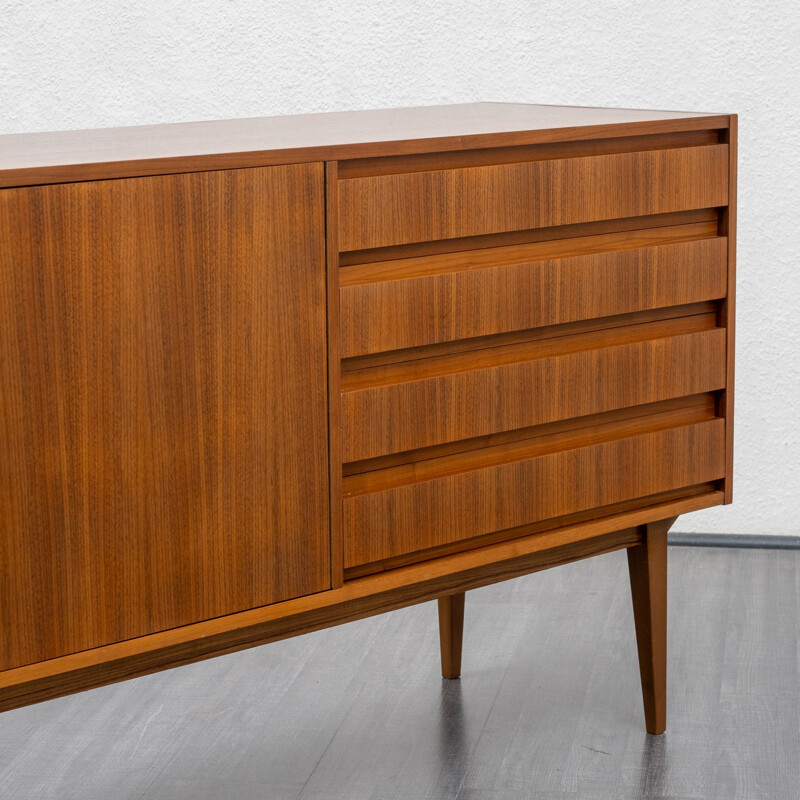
{"points": [[477, 298], [162, 417], [729, 305], [451, 633], [334, 371], [386, 210], [647, 564], [482, 395], [483, 496]]}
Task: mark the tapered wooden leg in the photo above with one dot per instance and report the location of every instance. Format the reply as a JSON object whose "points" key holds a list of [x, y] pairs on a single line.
{"points": [[451, 633], [647, 564]]}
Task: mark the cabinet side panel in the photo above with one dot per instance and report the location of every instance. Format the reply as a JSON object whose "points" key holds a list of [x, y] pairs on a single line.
{"points": [[163, 422], [729, 306]]}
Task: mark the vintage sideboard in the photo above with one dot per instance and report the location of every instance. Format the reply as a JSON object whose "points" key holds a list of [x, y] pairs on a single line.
{"points": [[264, 376]]}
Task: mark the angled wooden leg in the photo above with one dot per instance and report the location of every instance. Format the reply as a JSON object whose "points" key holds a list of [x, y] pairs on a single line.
{"points": [[451, 633], [647, 564]]}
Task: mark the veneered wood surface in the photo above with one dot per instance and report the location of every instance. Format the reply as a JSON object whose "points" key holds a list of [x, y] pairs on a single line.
{"points": [[355, 600], [334, 375], [387, 210], [386, 259], [458, 296], [459, 132], [163, 415], [415, 516], [413, 466], [531, 529], [546, 381], [728, 311], [454, 159], [30, 158]]}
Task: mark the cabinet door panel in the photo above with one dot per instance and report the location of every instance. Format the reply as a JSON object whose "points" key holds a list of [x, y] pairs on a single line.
{"points": [[163, 424]]}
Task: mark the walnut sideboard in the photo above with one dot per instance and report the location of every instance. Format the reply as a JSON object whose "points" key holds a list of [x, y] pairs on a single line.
{"points": [[265, 376]]}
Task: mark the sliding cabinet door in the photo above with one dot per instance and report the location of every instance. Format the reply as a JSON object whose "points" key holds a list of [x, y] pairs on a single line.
{"points": [[163, 424]]}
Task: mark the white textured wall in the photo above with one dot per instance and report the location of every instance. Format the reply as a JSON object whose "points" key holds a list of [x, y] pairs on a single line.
{"points": [[71, 64]]}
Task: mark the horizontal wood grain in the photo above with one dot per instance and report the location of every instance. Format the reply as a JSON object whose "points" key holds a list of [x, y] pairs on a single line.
{"points": [[395, 209], [63, 156], [162, 460], [457, 296], [487, 393], [425, 514], [355, 600]]}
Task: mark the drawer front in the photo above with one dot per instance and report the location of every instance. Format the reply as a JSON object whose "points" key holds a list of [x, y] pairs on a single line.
{"points": [[386, 210], [408, 518], [549, 380], [489, 291]]}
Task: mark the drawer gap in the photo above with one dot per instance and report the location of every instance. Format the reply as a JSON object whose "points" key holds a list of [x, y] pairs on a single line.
{"points": [[709, 402], [531, 529], [530, 236], [406, 268], [589, 473], [540, 440], [427, 162], [515, 348]]}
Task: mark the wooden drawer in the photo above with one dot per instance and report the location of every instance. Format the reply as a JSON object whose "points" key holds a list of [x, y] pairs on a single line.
{"points": [[421, 301], [410, 405], [385, 210], [411, 516]]}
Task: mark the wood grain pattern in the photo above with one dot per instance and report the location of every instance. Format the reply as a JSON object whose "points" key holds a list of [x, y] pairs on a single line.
{"points": [[728, 311], [355, 600], [384, 257], [482, 395], [412, 466], [60, 156], [456, 159], [518, 247], [163, 460], [456, 507], [524, 531], [395, 366], [451, 633], [334, 373], [506, 289], [647, 564], [388, 210], [243, 404]]}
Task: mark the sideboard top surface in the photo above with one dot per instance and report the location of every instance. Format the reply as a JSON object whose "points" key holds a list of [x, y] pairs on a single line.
{"points": [[62, 156]]}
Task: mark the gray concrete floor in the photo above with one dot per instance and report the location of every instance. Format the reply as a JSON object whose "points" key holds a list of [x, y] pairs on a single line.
{"points": [[548, 705]]}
